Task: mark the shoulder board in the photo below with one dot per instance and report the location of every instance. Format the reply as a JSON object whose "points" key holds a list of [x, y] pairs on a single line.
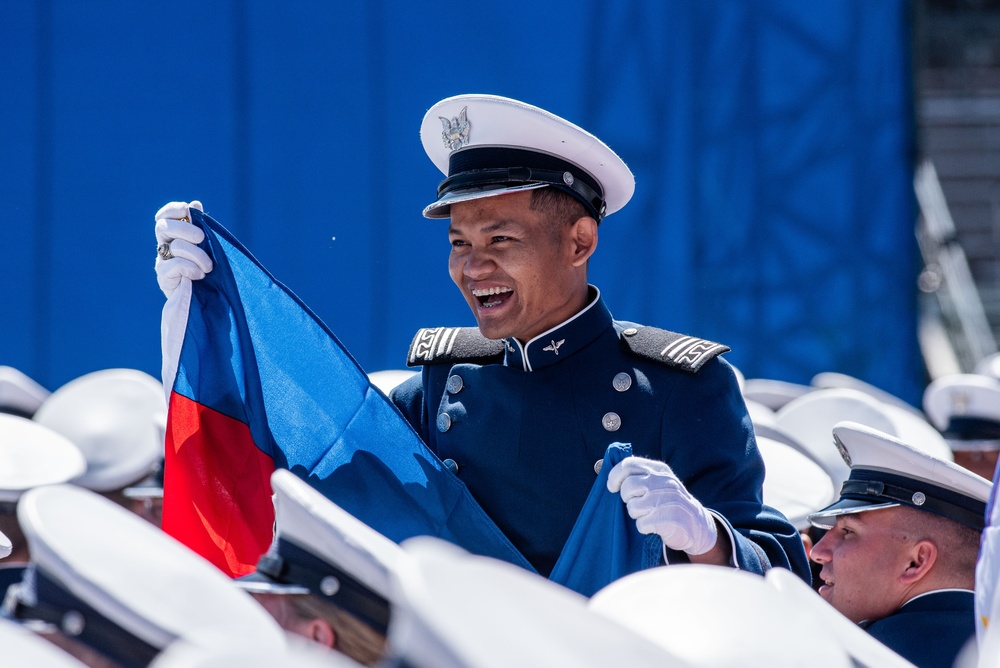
{"points": [[440, 345], [677, 350]]}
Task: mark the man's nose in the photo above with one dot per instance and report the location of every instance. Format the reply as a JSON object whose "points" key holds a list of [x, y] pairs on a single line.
{"points": [[820, 552], [478, 264]]}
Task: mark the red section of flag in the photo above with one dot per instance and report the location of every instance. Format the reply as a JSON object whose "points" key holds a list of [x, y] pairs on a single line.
{"points": [[216, 487]]}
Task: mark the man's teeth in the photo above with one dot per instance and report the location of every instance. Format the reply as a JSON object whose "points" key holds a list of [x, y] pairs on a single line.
{"points": [[490, 291]]}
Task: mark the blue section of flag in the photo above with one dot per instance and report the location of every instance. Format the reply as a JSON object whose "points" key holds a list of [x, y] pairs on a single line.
{"points": [[254, 352]]}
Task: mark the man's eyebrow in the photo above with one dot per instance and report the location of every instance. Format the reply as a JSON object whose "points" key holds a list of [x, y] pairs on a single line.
{"points": [[495, 226]]}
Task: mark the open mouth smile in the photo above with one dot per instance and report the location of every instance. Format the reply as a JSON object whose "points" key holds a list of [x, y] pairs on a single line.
{"points": [[492, 297]]}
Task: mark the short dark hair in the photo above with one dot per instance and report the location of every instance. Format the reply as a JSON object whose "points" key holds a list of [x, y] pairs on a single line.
{"points": [[558, 205]]}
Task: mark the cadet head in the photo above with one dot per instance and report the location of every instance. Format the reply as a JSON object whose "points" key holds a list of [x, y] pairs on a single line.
{"points": [[906, 523], [965, 408], [525, 191]]}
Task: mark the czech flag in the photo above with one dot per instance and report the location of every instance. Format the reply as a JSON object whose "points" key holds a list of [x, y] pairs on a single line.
{"points": [[256, 381]]}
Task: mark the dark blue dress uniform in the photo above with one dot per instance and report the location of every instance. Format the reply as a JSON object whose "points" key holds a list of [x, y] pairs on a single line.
{"points": [[525, 425], [930, 630]]}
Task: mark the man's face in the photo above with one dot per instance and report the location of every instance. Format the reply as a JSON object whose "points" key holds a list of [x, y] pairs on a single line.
{"points": [[862, 558], [514, 267]]}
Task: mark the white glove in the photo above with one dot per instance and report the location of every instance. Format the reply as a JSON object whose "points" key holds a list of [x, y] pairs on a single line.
{"points": [[177, 253], [659, 503]]}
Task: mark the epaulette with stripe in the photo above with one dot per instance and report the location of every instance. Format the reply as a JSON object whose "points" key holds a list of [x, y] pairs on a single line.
{"points": [[439, 345], [678, 350]]}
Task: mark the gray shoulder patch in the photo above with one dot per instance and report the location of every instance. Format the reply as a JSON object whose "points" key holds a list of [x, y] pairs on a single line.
{"points": [[678, 350], [440, 345]]}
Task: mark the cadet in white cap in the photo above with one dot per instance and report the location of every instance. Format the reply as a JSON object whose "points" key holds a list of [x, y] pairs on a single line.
{"points": [[526, 403], [326, 575], [104, 580], [899, 556], [457, 610], [31, 456], [966, 409], [19, 394], [117, 417]]}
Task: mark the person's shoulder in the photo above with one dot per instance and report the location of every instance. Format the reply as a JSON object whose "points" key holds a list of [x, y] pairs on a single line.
{"points": [[672, 349], [451, 345]]}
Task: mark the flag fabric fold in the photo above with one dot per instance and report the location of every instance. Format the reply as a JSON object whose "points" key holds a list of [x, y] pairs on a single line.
{"points": [[256, 381]]}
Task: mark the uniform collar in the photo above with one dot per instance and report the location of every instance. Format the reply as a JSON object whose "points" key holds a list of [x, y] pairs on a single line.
{"points": [[562, 340]]}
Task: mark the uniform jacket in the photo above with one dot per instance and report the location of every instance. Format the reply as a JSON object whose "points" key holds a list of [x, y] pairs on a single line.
{"points": [[929, 630], [525, 425]]}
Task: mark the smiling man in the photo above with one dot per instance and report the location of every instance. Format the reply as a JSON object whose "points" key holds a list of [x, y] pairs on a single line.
{"points": [[523, 407], [899, 556]]}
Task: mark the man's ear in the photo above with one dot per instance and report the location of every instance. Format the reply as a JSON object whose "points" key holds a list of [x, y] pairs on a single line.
{"points": [[923, 555], [583, 240], [320, 630]]}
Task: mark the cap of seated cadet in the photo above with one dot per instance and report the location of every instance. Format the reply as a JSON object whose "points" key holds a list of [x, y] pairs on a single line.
{"points": [[887, 472], [773, 393], [117, 418], [21, 647], [34, 455], [965, 408], [794, 483], [102, 577], [810, 420], [323, 550], [829, 380], [454, 609], [19, 394], [297, 654], [488, 145], [835, 628], [701, 614]]}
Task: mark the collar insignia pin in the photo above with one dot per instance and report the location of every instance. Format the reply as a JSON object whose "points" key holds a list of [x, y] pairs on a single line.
{"points": [[554, 346], [456, 130]]}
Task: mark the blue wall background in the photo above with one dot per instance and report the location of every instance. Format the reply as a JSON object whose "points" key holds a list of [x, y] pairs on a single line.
{"points": [[772, 145]]}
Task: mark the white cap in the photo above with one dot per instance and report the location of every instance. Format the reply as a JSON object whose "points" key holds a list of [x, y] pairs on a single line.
{"points": [[32, 455], [122, 586], [988, 366], [461, 610], [831, 380], [966, 409], [773, 393], [488, 145], [21, 648], [835, 628], [298, 653], [716, 617], [117, 418], [810, 420], [323, 550], [885, 472], [19, 394], [388, 379], [794, 483], [6, 547]]}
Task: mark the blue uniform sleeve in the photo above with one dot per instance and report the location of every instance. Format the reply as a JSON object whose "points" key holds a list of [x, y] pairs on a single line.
{"points": [[707, 439]]}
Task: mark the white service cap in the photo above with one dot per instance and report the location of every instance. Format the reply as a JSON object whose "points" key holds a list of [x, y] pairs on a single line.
{"points": [[117, 418]]}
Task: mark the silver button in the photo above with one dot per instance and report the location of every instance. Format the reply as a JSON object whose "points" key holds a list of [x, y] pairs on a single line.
{"points": [[568, 178], [451, 465], [919, 499], [631, 331], [598, 465], [622, 381], [611, 421], [444, 422], [329, 585], [455, 384], [72, 623]]}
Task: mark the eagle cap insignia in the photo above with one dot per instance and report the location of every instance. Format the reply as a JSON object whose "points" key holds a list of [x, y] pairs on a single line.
{"points": [[455, 132]]}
